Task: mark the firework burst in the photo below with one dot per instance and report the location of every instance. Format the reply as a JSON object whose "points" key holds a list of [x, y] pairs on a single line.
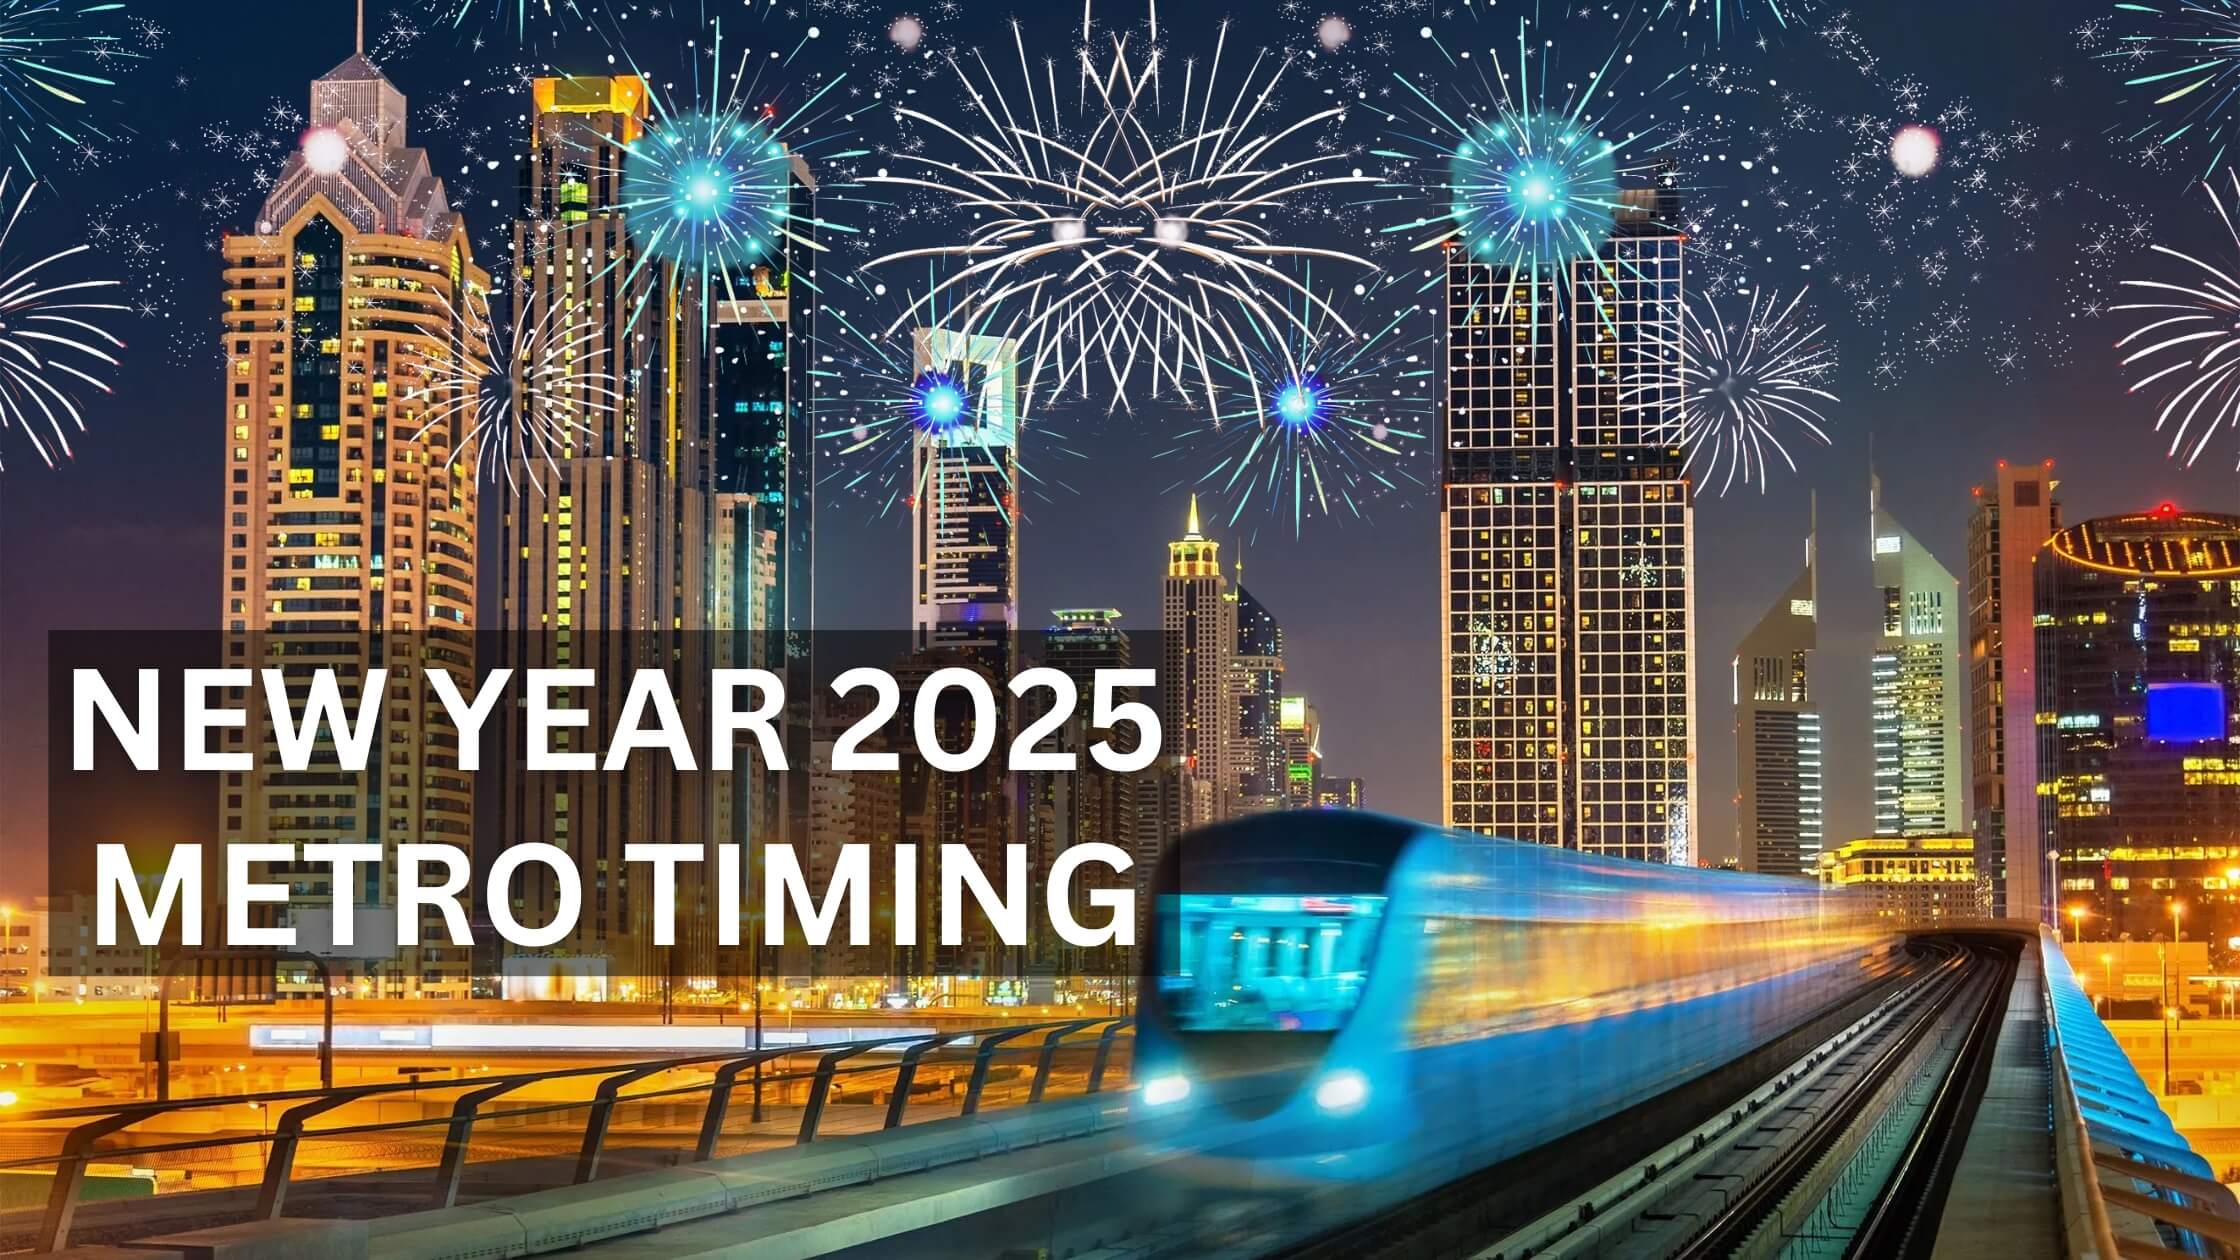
{"points": [[2188, 342], [51, 55], [51, 346], [1529, 182], [709, 182], [521, 397], [2184, 60], [1748, 387], [1120, 229], [1316, 419], [896, 380]]}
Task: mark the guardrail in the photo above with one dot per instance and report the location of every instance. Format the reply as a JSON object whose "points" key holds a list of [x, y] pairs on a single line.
{"points": [[475, 1104], [2130, 1184]]}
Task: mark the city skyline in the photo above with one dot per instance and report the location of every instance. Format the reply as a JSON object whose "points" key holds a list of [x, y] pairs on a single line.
{"points": [[1326, 637]]}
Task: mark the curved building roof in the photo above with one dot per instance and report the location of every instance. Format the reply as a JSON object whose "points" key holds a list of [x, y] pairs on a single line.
{"points": [[2163, 543]]}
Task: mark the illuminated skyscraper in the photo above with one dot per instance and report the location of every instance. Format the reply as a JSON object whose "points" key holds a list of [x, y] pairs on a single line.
{"points": [[350, 492], [606, 562], [1567, 547], [2138, 645], [2013, 517], [964, 467], [1916, 684], [1258, 683], [1196, 685], [1777, 733]]}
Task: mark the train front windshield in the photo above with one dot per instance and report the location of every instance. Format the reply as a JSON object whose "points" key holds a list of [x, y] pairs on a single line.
{"points": [[1266, 963]]}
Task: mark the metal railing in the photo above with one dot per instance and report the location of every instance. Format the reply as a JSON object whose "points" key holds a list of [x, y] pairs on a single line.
{"points": [[2130, 1184], [479, 1099]]}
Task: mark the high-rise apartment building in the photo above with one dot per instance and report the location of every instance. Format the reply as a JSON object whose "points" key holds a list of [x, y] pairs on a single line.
{"points": [[964, 539], [2013, 518], [1915, 684], [606, 560], [1777, 733], [1567, 546], [2138, 644], [1258, 683], [351, 495], [1198, 716]]}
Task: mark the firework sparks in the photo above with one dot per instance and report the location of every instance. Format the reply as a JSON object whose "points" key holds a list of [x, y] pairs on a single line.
{"points": [[1126, 234], [2185, 60], [521, 398], [1317, 423], [51, 56], [1746, 383], [1726, 14], [2189, 344], [50, 345]]}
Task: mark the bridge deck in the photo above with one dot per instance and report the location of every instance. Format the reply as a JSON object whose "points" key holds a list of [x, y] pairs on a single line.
{"points": [[2004, 1199]]}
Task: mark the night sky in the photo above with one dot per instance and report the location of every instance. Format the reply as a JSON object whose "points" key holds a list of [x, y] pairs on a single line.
{"points": [[1967, 307]]}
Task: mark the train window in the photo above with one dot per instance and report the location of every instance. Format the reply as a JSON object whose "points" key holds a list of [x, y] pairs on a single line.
{"points": [[1266, 963]]}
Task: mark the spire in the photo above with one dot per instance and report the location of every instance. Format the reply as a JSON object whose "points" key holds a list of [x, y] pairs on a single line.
{"points": [[1193, 531], [361, 28]]}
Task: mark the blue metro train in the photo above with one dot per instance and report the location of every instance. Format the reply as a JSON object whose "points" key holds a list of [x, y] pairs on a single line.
{"points": [[1344, 995]]}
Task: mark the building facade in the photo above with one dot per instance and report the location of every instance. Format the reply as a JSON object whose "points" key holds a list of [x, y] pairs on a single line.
{"points": [[2138, 640], [1912, 879], [606, 560], [1198, 709], [352, 350], [1916, 687], [1777, 733], [2013, 517], [1566, 521]]}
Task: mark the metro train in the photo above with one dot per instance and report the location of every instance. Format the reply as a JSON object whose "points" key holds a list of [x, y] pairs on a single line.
{"points": [[1341, 995]]}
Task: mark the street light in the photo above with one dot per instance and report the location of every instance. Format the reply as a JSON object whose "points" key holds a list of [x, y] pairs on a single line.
{"points": [[2076, 920]]}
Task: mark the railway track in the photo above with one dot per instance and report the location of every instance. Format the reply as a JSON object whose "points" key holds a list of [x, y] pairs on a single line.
{"points": [[1848, 1153]]}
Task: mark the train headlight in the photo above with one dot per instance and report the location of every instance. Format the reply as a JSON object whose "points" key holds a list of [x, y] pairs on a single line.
{"points": [[1162, 1090], [1342, 1092]]}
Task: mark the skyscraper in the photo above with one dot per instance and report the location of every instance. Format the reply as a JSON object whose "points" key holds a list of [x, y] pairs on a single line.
{"points": [[1777, 733], [350, 491], [1198, 647], [606, 562], [2138, 643], [1915, 708], [965, 476], [2013, 517], [1258, 683], [1567, 545], [762, 375]]}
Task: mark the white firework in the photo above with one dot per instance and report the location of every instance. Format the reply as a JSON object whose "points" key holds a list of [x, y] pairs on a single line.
{"points": [[2189, 343], [50, 345], [521, 399], [1747, 388], [1120, 224]]}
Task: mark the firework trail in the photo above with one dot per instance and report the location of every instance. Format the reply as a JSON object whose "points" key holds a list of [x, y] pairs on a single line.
{"points": [[2189, 342], [521, 397], [50, 346], [1119, 217], [1744, 384]]}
